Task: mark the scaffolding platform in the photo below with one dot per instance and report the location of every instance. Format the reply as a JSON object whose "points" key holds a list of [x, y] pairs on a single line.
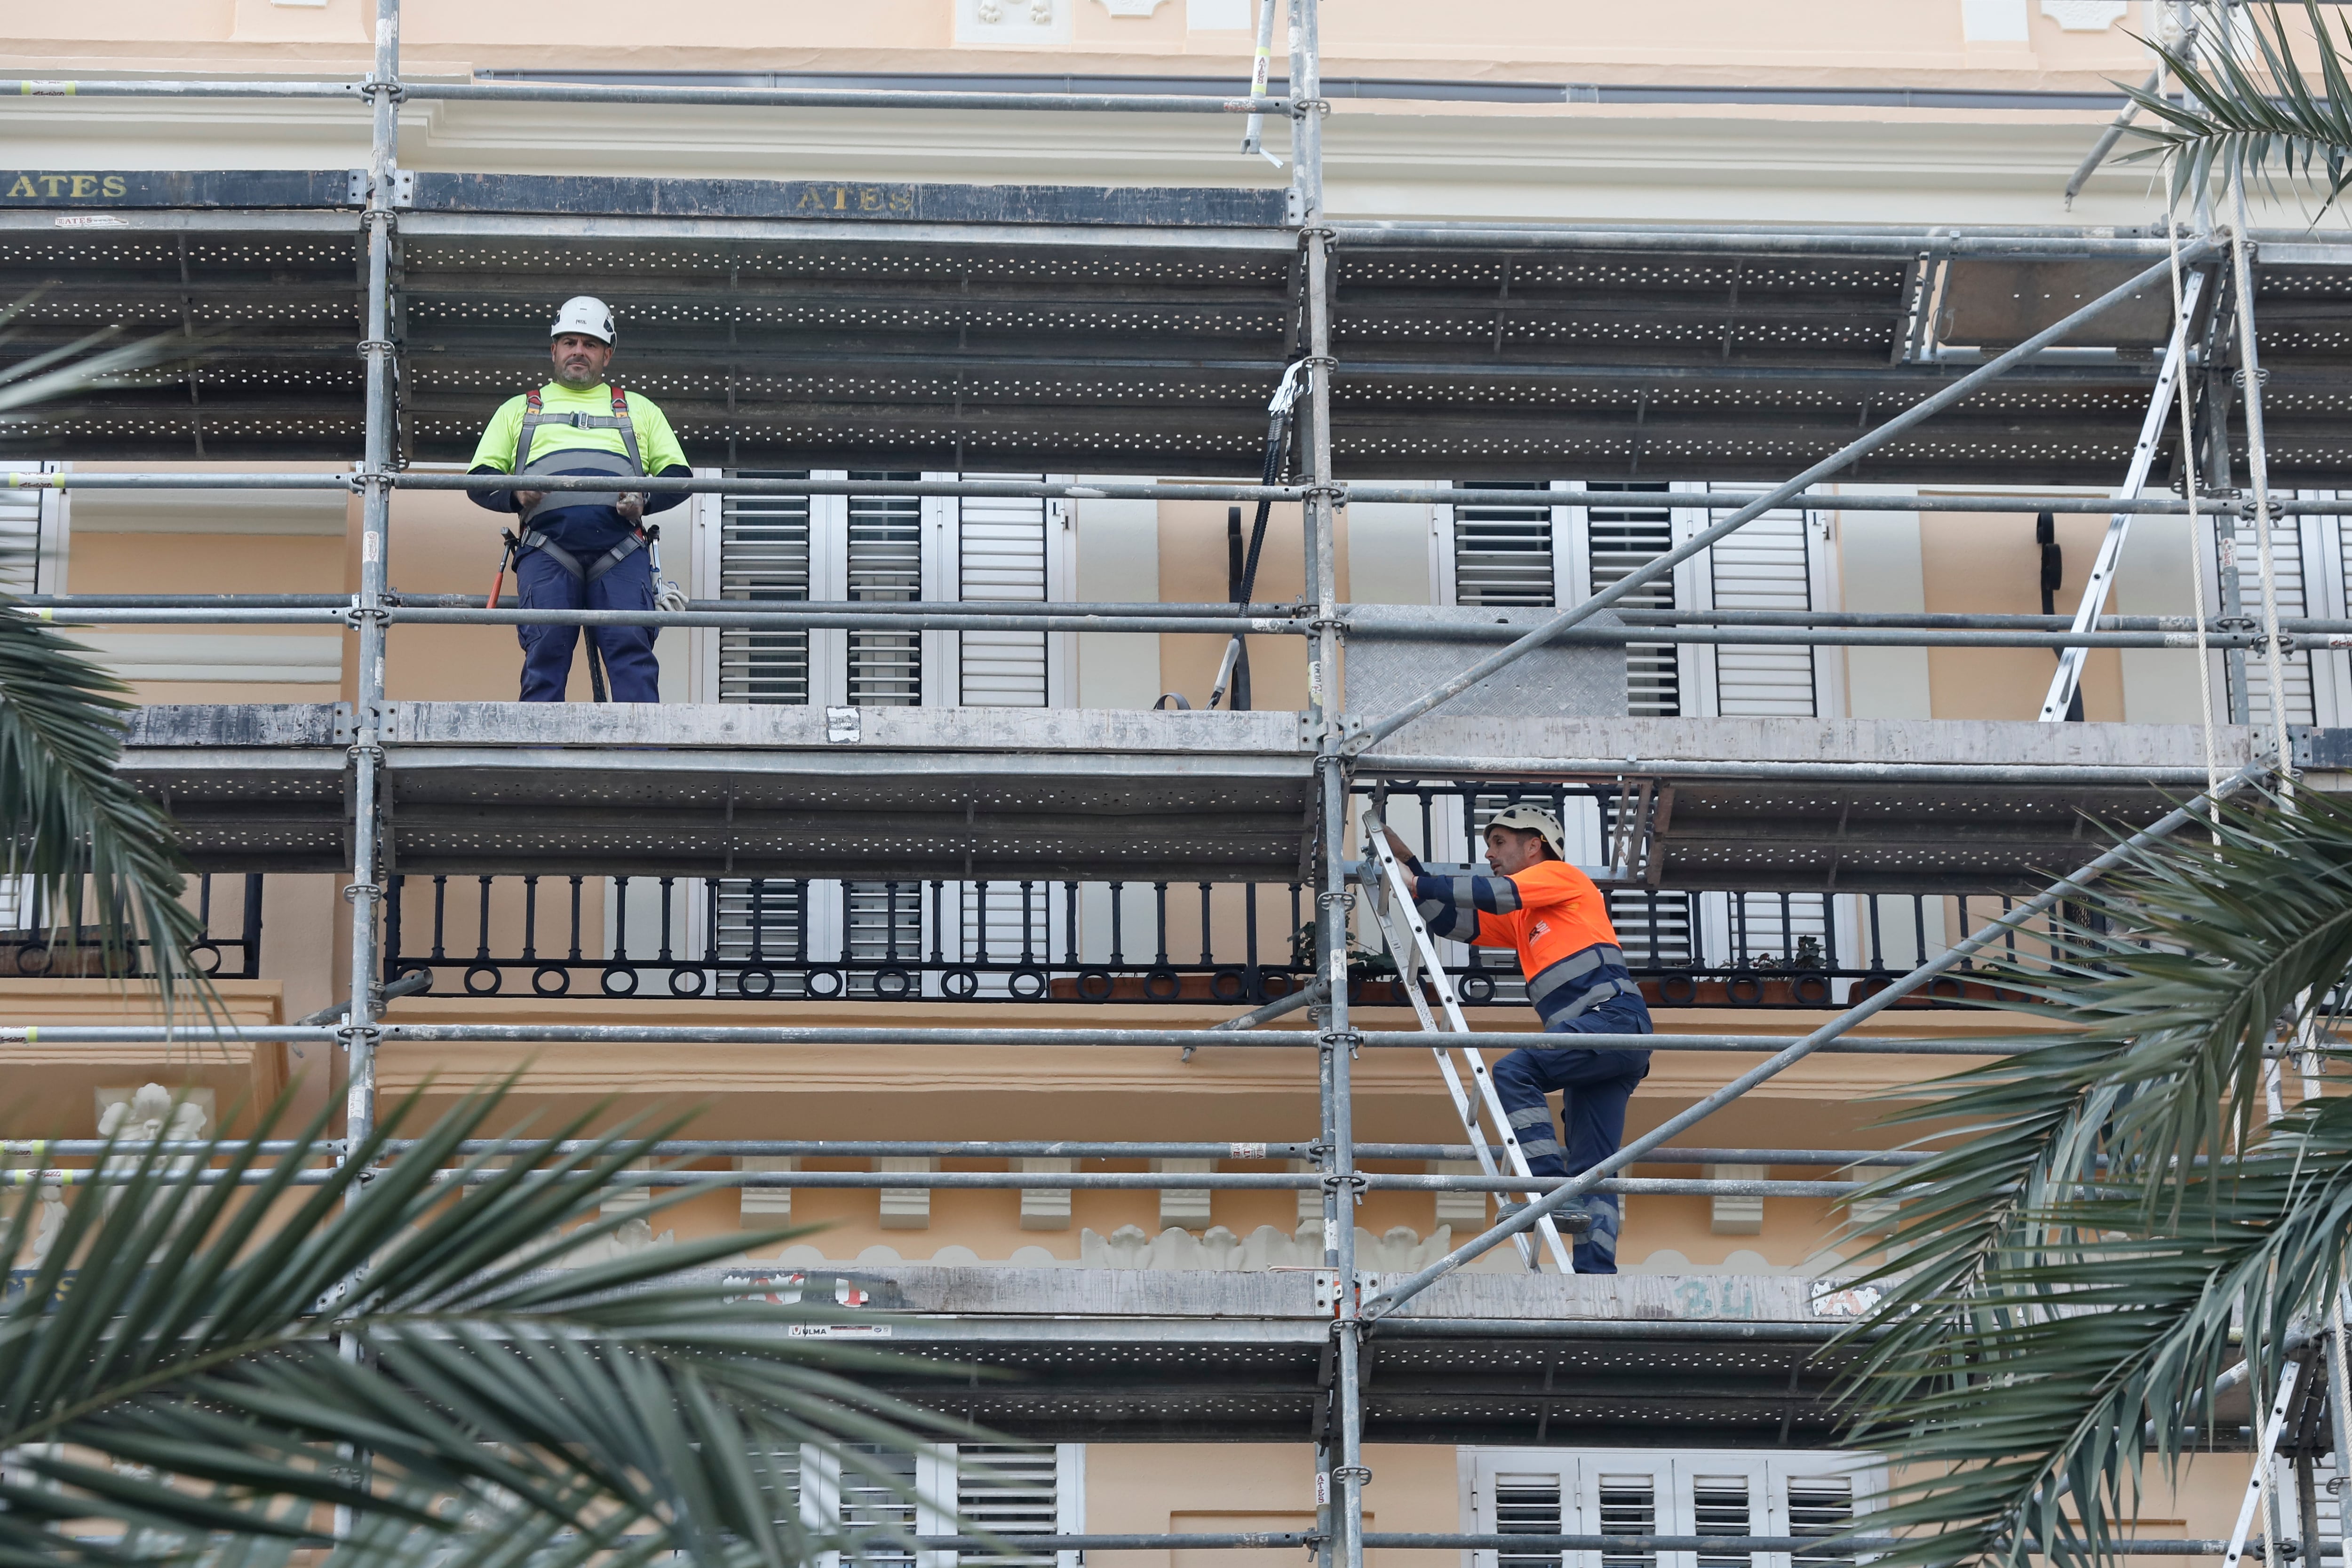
{"points": [[1142, 1355], [890, 325], [744, 790]]}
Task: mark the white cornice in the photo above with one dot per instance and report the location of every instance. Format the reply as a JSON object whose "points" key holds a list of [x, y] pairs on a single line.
{"points": [[1579, 162]]}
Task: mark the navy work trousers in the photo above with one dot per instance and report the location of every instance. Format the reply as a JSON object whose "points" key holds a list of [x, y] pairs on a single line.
{"points": [[1593, 1087], [628, 651]]}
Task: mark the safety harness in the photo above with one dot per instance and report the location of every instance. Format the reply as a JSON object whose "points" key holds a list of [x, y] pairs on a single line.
{"points": [[1573, 968], [534, 416]]}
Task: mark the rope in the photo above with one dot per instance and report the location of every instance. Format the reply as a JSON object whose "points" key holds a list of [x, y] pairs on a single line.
{"points": [[2196, 532], [2259, 468]]}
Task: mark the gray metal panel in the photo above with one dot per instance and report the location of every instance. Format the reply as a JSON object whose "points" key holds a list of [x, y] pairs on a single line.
{"points": [[1385, 671]]}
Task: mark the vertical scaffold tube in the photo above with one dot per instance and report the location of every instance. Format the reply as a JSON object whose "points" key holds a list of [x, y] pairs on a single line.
{"points": [[1346, 1459], [2258, 474], [364, 894]]}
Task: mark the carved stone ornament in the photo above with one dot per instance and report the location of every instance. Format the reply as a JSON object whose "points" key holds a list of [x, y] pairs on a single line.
{"points": [[2084, 15], [1132, 7]]}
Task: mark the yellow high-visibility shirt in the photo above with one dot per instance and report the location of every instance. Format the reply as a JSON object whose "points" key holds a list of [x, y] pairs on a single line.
{"points": [[657, 446]]}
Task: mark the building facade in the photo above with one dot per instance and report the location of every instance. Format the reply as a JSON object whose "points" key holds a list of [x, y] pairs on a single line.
{"points": [[1695, 112]]}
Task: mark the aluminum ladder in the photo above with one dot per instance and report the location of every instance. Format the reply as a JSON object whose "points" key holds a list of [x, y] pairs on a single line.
{"points": [[1415, 952]]}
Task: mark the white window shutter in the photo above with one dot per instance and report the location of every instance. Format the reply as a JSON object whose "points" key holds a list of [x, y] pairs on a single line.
{"points": [[1767, 565], [31, 531], [764, 557], [1522, 1492], [2324, 595], [1002, 549], [1601, 1491], [1012, 1489]]}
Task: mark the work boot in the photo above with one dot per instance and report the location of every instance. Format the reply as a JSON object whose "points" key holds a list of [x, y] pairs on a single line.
{"points": [[1572, 1221]]}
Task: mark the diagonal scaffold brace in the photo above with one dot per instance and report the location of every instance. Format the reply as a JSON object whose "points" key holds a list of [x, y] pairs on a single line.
{"points": [[1378, 731], [1404, 1289]]}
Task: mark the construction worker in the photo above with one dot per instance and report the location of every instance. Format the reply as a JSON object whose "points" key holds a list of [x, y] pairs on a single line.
{"points": [[582, 549], [1558, 920]]}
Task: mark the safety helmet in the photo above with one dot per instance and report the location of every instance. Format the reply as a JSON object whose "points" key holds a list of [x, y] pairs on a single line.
{"points": [[1533, 819], [586, 315]]}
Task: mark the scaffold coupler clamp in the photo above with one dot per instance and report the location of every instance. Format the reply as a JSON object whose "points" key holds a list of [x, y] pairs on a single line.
{"points": [[1337, 1038], [1359, 1474], [2246, 504]]}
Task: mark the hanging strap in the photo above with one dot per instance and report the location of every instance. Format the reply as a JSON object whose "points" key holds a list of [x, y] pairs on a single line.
{"points": [[532, 539]]}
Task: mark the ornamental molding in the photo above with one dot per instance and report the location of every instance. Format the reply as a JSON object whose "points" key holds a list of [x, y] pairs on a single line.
{"points": [[2084, 15]]}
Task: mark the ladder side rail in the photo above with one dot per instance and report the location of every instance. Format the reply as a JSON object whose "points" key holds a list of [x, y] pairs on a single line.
{"points": [[1402, 902]]}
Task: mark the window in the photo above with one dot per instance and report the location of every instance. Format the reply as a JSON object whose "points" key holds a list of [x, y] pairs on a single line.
{"points": [[1009, 1489], [1785, 1492], [897, 549]]}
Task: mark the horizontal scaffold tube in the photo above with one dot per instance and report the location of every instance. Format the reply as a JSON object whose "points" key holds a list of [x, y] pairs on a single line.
{"points": [[917, 1035], [1716, 242], [1030, 1181], [1033, 1148], [341, 604], [1369, 491], [1381, 765], [587, 92], [866, 618]]}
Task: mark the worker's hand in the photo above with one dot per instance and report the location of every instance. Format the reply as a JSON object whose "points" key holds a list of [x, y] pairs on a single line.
{"points": [[1397, 846], [526, 500], [632, 509]]}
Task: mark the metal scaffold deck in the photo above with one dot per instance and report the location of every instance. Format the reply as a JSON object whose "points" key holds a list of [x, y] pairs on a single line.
{"points": [[1067, 328], [807, 330], [740, 791], [1147, 1356]]}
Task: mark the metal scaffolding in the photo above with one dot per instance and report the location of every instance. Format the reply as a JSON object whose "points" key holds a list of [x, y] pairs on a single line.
{"points": [[1342, 745]]}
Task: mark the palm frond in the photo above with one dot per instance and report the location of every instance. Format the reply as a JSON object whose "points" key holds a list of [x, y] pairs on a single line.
{"points": [[190, 1356], [2254, 116], [2070, 1265], [98, 852]]}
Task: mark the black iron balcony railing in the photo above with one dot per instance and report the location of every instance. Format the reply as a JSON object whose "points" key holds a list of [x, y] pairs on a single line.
{"points": [[804, 939], [229, 909]]}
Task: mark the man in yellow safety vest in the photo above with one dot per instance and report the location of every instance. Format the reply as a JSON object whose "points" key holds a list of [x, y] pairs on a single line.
{"points": [[582, 550]]}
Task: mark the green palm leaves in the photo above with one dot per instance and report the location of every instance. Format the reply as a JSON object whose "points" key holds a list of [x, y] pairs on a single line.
{"points": [[250, 1359], [98, 852], [2254, 116], [2117, 1221]]}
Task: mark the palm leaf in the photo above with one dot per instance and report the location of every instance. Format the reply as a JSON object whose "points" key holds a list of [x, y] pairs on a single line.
{"points": [[2070, 1265], [191, 1356], [98, 851], [2252, 116]]}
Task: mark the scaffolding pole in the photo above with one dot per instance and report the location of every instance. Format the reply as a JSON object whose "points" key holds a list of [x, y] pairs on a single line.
{"points": [[1344, 493], [358, 1032]]}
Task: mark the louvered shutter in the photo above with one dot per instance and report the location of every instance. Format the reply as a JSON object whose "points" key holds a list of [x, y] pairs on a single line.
{"points": [[1001, 550], [1688, 1493], [1505, 555], [1765, 566], [886, 566], [1012, 1489], [764, 558], [1619, 542], [1526, 1504]]}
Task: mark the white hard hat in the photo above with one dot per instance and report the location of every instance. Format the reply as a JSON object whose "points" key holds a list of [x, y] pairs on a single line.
{"points": [[1533, 819], [586, 315]]}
